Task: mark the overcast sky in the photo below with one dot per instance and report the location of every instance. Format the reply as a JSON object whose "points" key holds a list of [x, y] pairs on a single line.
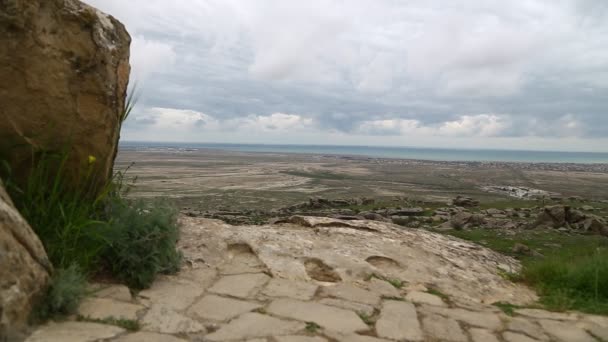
{"points": [[526, 74]]}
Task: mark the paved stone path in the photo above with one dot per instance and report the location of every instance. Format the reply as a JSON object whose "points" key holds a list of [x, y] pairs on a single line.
{"points": [[239, 300]]}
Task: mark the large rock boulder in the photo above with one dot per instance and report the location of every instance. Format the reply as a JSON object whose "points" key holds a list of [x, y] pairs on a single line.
{"points": [[65, 70], [24, 269]]}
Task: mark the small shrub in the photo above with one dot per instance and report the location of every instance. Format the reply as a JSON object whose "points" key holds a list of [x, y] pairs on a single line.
{"points": [[67, 288], [141, 241], [312, 327]]}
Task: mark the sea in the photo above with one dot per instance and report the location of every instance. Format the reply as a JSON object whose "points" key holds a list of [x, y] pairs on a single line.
{"points": [[418, 153]]}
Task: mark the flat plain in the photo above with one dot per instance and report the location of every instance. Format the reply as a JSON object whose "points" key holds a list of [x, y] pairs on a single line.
{"points": [[208, 179]]}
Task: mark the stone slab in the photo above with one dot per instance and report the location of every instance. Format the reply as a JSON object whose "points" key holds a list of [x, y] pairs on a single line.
{"points": [[399, 321], [278, 287], [329, 317], [443, 329], [565, 331], [482, 335], [382, 288], [351, 293], [145, 336], [220, 308], [356, 307], [425, 298], [482, 319], [240, 285], [172, 292], [252, 325], [163, 319], [100, 308], [74, 332]]}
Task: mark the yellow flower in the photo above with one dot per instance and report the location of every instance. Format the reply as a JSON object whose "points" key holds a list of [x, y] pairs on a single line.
{"points": [[92, 159]]}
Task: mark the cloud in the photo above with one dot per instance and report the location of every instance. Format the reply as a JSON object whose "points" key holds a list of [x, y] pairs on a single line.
{"points": [[373, 70]]}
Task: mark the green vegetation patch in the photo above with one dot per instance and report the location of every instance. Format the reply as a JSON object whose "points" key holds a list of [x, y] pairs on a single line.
{"points": [[128, 324], [67, 288], [86, 235], [572, 274]]}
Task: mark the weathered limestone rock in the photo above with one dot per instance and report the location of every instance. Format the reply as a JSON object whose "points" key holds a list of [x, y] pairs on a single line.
{"points": [[220, 308], [527, 327], [68, 66], [565, 332], [294, 338], [329, 317], [516, 337], [443, 329], [173, 292], [482, 335], [162, 319], [24, 268], [382, 288], [350, 293], [424, 298], [251, 325], [144, 336], [74, 332], [114, 291], [100, 308], [399, 321], [335, 251], [352, 306], [278, 287], [486, 320], [240, 285]]}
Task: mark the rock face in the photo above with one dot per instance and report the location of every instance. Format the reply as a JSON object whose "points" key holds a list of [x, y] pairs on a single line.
{"points": [[305, 280], [562, 216], [24, 268], [66, 70]]}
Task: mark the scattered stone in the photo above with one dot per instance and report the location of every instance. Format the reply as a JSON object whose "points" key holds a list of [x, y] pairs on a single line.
{"points": [[100, 308], [399, 321], [460, 220], [240, 285], [162, 319], [352, 306], [252, 325], [144, 336], [521, 249], [220, 308], [278, 287], [482, 335], [332, 318], [351, 293], [443, 329], [565, 332], [424, 298], [74, 332]]}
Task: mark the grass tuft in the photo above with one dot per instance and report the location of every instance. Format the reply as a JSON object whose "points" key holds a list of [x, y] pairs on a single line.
{"points": [[127, 324], [312, 327], [67, 288]]}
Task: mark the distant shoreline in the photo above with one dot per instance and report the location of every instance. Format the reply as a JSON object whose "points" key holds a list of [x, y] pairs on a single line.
{"points": [[392, 153]]}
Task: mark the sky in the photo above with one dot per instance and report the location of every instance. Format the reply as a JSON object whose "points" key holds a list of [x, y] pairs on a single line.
{"points": [[526, 74]]}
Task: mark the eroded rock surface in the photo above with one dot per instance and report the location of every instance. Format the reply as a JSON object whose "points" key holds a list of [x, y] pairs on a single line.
{"points": [[65, 67], [365, 281], [24, 268]]}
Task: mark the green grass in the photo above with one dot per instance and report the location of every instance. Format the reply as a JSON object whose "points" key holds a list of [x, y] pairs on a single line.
{"points": [[507, 308], [128, 324], [312, 327], [85, 235], [439, 294], [572, 275], [367, 319]]}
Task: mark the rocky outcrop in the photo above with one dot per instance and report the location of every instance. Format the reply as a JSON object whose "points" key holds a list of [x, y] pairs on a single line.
{"points": [[321, 279], [24, 268], [564, 217], [65, 70]]}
